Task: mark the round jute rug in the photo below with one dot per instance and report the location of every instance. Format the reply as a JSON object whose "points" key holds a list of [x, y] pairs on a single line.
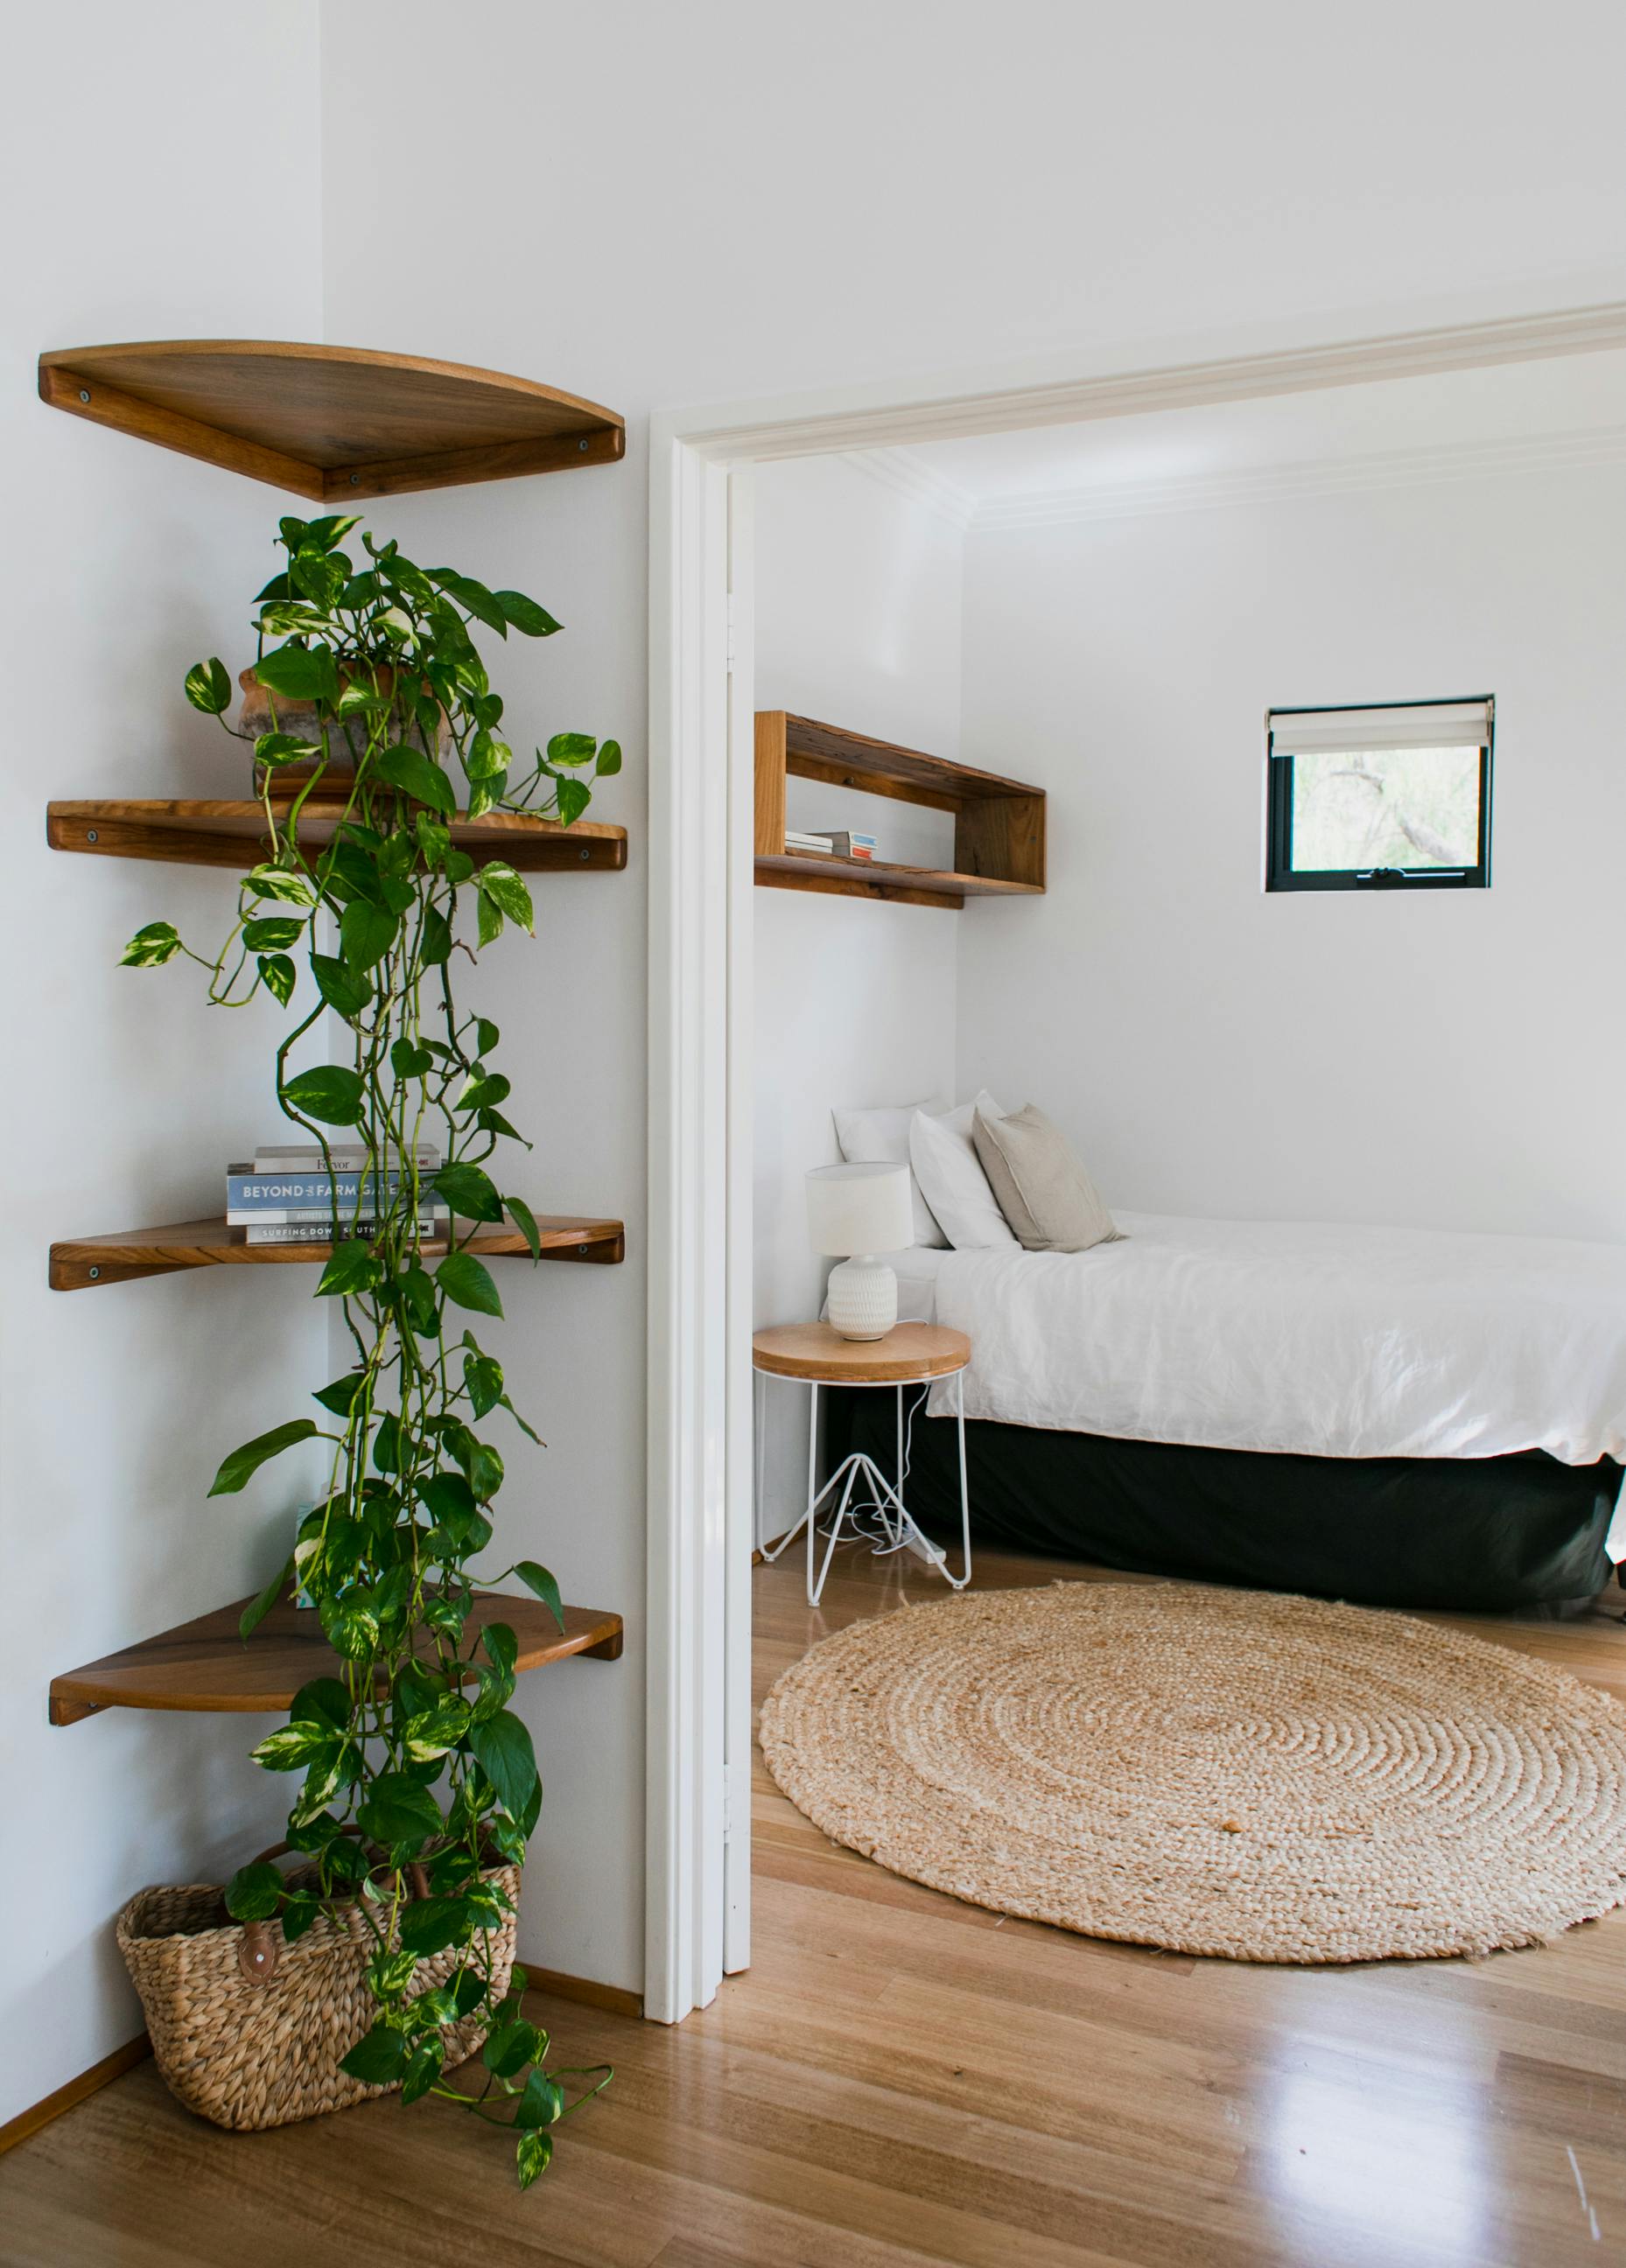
{"points": [[1214, 1772]]}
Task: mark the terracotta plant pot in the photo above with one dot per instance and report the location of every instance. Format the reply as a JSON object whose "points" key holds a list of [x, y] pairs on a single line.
{"points": [[298, 718]]}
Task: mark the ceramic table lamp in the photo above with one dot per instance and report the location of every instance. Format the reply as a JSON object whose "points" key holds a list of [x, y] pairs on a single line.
{"points": [[857, 1212]]}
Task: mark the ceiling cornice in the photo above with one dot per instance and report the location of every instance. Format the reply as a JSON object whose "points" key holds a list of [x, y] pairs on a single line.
{"points": [[884, 416], [1315, 477], [920, 484]]}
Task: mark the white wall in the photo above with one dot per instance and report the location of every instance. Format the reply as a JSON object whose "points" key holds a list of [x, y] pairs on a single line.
{"points": [[142, 186], [858, 622], [657, 205], [653, 205], [1446, 1060]]}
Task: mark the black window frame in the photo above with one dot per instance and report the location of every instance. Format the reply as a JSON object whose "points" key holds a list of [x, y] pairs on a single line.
{"points": [[1280, 873]]}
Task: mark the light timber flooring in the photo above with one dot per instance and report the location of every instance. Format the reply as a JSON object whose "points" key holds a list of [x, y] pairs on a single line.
{"points": [[901, 2079]]}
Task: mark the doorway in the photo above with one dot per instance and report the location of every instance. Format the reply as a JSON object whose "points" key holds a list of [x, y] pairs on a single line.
{"points": [[701, 1462]]}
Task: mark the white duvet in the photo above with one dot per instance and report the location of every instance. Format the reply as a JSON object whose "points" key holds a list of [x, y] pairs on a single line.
{"points": [[1328, 1341]]}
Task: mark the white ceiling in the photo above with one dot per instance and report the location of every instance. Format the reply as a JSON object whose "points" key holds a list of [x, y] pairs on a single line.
{"points": [[1571, 409]]}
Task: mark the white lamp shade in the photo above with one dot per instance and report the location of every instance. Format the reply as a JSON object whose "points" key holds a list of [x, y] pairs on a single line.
{"points": [[859, 1209]]}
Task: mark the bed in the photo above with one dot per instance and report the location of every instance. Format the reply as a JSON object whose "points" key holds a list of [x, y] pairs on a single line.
{"points": [[1391, 1415]]}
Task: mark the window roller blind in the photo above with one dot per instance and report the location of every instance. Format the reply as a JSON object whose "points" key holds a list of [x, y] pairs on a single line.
{"points": [[1440, 725]]}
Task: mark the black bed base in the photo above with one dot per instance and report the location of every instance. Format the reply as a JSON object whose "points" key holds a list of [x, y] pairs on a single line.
{"points": [[1476, 1534]]}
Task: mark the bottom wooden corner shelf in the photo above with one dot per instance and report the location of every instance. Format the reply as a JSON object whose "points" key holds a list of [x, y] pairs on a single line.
{"points": [[205, 1665]]}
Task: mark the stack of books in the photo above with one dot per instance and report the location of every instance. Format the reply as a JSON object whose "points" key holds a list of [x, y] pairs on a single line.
{"points": [[287, 1196], [842, 843]]}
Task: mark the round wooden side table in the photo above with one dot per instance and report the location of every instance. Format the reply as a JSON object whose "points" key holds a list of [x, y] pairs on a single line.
{"points": [[910, 1354]]}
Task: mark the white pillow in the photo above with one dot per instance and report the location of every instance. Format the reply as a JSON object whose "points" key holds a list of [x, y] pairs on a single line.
{"points": [[951, 1176], [881, 1138]]}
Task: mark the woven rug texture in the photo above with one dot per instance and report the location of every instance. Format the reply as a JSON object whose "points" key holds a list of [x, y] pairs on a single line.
{"points": [[1213, 1771]]}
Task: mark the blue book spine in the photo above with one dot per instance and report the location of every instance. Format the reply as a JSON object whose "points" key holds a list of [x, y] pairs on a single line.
{"points": [[275, 1192]]}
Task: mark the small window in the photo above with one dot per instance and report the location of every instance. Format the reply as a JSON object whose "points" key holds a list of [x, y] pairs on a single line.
{"points": [[1381, 798]]}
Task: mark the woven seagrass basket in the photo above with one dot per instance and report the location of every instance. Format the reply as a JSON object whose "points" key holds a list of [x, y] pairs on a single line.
{"points": [[248, 2030]]}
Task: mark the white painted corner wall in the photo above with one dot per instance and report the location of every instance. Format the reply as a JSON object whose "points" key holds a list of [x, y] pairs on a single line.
{"points": [[858, 622], [569, 1006], [137, 206], [1446, 1060]]}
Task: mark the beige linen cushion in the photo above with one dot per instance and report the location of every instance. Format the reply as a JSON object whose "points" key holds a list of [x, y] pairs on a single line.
{"points": [[1043, 1190]]}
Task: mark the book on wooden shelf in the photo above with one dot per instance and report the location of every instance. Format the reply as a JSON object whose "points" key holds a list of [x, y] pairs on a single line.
{"points": [[842, 843], [321, 1232], [347, 1157], [268, 1216], [250, 1192]]}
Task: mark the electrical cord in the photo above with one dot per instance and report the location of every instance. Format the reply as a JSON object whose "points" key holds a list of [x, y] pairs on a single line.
{"points": [[874, 1523]]}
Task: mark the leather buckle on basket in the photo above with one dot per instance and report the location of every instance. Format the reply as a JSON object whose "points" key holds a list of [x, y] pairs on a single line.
{"points": [[256, 1953], [258, 1950]]}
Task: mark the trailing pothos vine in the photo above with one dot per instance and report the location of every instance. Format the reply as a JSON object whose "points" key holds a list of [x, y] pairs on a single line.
{"points": [[419, 1781]]}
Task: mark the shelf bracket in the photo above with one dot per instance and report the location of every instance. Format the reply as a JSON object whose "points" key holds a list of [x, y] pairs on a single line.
{"points": [[85, 395]]}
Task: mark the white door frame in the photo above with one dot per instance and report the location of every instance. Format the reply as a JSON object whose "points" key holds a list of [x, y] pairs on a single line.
{"points": [[700, 850]]}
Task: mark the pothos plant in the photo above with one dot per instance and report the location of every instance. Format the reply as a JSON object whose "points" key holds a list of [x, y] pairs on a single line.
{"points": [[418, 1780]]}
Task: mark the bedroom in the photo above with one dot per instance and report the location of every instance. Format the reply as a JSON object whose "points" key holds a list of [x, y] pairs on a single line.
{"points": [[1372, 1347], [1211, 1046]]}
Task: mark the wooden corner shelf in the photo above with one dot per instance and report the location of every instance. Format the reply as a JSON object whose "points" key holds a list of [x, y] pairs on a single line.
{"points": [[128, 1254], [333, 424], [206, 1666], [189, 832], [999, 824]]}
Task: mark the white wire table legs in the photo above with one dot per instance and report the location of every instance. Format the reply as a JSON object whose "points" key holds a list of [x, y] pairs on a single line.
{"points": [[882, 1498], [789, 1537], [964, 1576]]}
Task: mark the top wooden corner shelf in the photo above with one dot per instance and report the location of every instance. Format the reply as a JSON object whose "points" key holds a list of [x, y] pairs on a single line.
{"points": [[330, 423]]}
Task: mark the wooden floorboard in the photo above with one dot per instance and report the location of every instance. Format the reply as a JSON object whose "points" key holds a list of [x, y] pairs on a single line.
{"points": [[904, 2081]]}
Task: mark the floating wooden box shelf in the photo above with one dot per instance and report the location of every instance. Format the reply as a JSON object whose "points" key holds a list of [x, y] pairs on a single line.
{"points": [[870, 878], [192, 833], [205, 1665], [998, 823], [133, 1252], [330, 423]]}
